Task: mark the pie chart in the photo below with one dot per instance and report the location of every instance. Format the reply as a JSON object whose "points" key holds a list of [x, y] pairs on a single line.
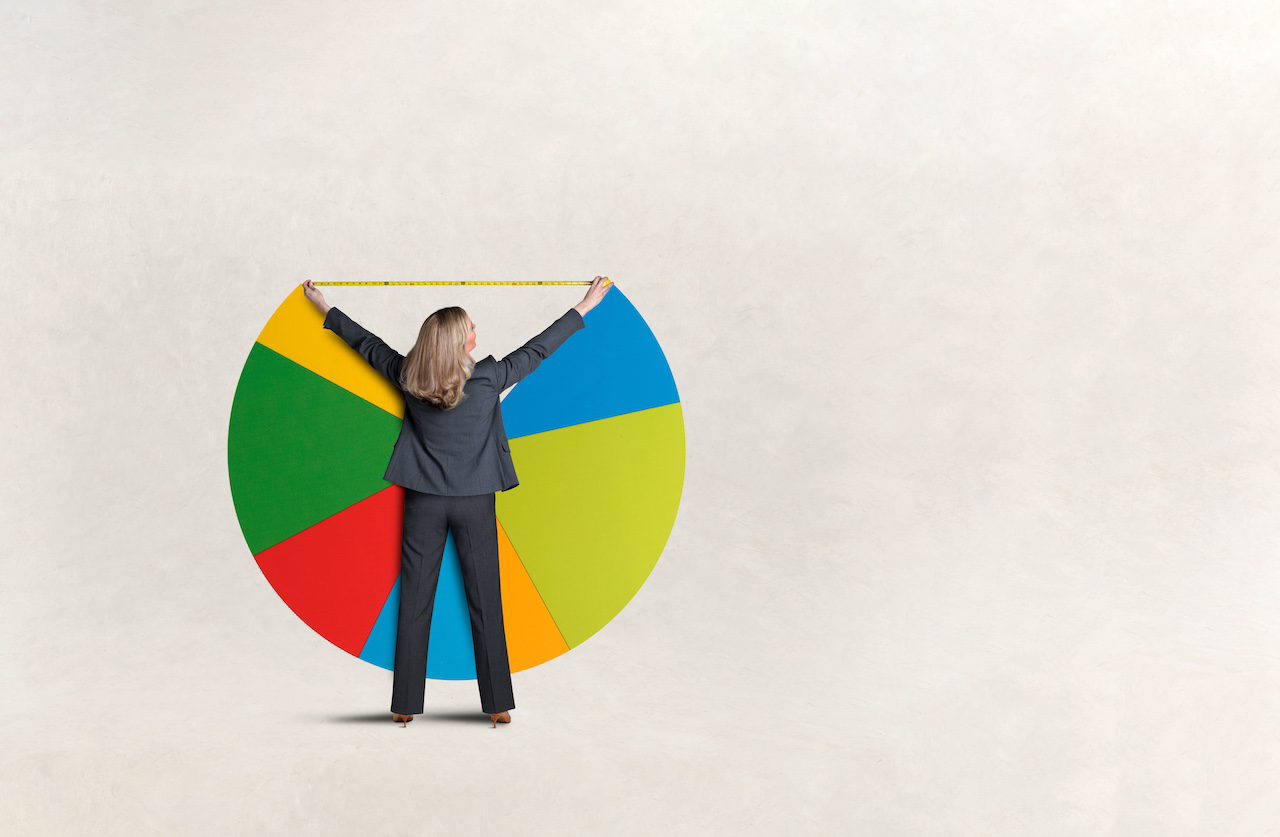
{"points": [[597, 438]]}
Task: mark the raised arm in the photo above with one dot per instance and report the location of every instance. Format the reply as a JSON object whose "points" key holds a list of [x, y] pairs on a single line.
{"points": [[379, 355], [519, 364], [516, 366]]}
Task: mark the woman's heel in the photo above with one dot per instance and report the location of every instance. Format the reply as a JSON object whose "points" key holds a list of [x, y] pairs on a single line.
{"points": [[500, 718], [403, 720]]}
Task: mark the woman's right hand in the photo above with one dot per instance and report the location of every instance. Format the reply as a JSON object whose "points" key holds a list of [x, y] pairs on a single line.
{"points": [[599, 287]]}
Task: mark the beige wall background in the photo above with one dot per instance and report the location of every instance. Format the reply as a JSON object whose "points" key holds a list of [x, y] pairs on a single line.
{"points": [[973, 316]]}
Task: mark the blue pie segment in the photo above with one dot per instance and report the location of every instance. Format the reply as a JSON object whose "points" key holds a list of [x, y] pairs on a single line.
{"points": [[611, 367]]}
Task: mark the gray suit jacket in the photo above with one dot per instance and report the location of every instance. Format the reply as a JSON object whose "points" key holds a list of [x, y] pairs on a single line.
{"points": [[464, 450]]}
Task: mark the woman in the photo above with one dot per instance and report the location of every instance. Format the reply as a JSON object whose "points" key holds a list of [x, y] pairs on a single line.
{"points": [[451, 458]]}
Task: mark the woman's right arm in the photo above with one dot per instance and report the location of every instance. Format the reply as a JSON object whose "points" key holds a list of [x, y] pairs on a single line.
{"points": [[599, 288], [518, 365]]}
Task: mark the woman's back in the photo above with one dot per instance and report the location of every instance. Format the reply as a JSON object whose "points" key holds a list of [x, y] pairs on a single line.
{"points": [[457, 451], [464, 450]]}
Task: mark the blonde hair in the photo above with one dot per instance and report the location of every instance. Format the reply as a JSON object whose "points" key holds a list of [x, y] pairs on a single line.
{"points": [[438, 365]]}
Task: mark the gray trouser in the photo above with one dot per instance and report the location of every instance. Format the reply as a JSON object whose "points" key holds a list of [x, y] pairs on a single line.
{"points": [[427, 520]]}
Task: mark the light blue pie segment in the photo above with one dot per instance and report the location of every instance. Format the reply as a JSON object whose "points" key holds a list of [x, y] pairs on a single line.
{"points": [[450, 652]]}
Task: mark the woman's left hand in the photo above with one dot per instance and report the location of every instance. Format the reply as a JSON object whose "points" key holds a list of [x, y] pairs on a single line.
{"points": [[317, 298]]}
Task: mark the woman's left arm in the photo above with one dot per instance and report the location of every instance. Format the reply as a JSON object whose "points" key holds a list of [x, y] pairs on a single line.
{"points": [[378, 354]]}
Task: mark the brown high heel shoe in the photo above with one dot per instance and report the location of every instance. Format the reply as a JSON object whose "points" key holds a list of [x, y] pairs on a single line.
{"points": [[403, 720], [501, 718]]}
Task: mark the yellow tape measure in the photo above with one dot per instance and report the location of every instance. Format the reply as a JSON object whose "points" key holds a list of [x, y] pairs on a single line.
{"points": [[461, 282]]}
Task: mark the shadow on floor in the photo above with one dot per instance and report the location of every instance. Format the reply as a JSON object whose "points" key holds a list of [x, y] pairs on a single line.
{"points": [[428, 717]]}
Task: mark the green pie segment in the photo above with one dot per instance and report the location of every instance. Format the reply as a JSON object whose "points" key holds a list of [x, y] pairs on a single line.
{"points": [[593, 511], [300, 449]]}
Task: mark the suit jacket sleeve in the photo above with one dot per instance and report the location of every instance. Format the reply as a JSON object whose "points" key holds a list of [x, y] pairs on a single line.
{"points": [[519, 364], [379, 355]]}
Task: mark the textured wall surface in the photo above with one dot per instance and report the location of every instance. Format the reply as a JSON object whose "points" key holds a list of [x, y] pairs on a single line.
{"points": [[973, 313]]}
